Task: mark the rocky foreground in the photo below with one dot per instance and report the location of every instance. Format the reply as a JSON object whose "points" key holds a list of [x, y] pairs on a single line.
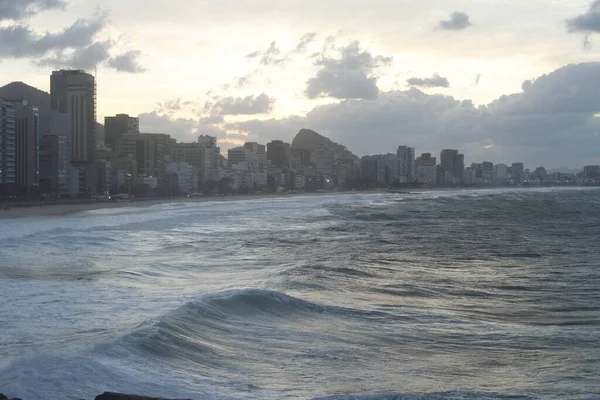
{"points": [[105, 396]]}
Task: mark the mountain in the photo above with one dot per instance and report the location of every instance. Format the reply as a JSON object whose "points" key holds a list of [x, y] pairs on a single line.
{"points": [[308, 139], [39, 98]]}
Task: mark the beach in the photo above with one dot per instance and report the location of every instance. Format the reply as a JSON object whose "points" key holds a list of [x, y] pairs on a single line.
{"points": [[54, 210]]}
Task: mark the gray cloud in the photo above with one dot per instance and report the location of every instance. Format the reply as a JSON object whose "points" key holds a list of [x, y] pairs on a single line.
{"points": [[182, 129], [73, 47], [270, 56], [127, 62], [85, 58], [434, 81], [588, 22], [16, 10], [348, 76], [273, 55], [249, 105], [19, 41], [305, 40], [551, 122], [457, 21]]}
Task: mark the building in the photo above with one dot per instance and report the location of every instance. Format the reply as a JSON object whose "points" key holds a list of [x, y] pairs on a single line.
{"points": [[322, 159], [453, 166], [426, 169], [470, 176], [540, 174], [517, 172], [406, 164], [54, 166], [591, 172], [372, 169], [104, 176], [279, 153], [487, 172], [302, 157], [117, 126], [8, 174], [187, 180], [238, 155], [500, 174], [73, 114], [260, 150], [150, 154], [27, 136]]}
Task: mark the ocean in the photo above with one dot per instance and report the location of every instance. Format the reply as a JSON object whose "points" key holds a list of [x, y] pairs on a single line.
{"points": [[490, 294]]}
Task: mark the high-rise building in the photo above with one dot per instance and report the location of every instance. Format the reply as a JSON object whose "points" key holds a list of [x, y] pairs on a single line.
{"points": [[73, 114], [517, 172], [487, 172], [369, 166], [238, 155], [8, 175], [302, 157], [426, 169], [322, 158], [27, 136], [54, 166], [117, 126], [406, 163], [591, 171], [150, 154], [279, 154], [260, 150], [210, 159], [453, 165], [500, 173]]}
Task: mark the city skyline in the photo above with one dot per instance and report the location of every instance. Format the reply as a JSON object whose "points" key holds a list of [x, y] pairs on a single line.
{"points": [[500, 83]]}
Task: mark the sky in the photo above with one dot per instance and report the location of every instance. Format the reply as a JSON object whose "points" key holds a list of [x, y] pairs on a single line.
{"points": [[501, 80]]}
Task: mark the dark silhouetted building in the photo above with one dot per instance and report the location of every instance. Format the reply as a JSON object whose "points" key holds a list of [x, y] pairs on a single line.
{"points": [[279, 154], [8, 175], [27, 135], [117, 126], [73, 114], [453, 166]]}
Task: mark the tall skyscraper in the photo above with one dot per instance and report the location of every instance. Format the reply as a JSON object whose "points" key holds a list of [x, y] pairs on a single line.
{"points": [[406, 163], [117, 126], [8, 174], [27, 136], [73, 114]]}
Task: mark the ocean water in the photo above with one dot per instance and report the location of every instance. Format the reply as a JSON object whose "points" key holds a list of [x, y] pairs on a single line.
{"points": [[459, 295]]}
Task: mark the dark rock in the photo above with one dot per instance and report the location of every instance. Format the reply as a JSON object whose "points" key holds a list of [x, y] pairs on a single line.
{"points": [[3, 397], [121, 396]]}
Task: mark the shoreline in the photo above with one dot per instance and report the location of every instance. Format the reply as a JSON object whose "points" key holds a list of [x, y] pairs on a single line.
{"points": [[57, 210]]}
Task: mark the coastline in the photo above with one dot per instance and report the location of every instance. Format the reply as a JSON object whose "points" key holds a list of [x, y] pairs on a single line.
{"points": [[57, 210]]}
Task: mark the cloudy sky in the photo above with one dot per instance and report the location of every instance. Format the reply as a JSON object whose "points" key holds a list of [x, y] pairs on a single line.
{"points": [[502, 80]]}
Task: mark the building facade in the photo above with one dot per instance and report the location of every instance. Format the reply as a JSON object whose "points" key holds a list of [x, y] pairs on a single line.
{"points": [[117, 126], [27, 136], [406, 164], [8, 174], [73, 114], [279, 153]]}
